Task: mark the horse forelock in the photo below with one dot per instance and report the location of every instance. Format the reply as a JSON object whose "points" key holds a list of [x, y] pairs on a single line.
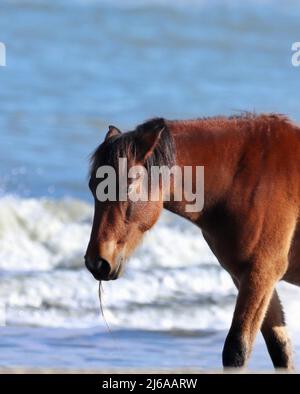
{"points": [[125, 145]]}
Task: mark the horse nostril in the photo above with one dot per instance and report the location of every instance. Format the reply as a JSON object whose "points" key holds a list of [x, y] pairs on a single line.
{"points": [[99, 268], [103, 267]]}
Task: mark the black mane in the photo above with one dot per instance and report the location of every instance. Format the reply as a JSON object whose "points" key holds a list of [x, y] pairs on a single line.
{"points": [[126, 145]]}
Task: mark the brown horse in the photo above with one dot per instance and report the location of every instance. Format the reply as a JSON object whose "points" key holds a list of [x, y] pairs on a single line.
{"points": [[249, 220]]}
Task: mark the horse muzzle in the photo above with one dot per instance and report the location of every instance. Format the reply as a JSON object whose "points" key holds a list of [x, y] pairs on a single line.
{"points": [[101, 269]]}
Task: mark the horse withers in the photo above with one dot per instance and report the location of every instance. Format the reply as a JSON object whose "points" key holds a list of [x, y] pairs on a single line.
{"points": [[249, 217]]}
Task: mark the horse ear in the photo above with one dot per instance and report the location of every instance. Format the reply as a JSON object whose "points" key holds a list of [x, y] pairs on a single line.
{"points": [[112, 131], [147, 141]]}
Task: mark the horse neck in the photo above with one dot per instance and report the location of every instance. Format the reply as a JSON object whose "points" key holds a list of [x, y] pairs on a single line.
{"points": [[217, 147]]}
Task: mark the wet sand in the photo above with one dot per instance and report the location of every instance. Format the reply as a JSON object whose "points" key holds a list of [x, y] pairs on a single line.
{"points": [[130, 371]]}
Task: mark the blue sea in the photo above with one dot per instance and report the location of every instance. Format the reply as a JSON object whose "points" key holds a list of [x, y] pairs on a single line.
{"points": [[73, 68]]}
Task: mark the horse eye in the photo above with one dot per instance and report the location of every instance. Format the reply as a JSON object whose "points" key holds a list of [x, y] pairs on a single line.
{"points": [[129, 212]]}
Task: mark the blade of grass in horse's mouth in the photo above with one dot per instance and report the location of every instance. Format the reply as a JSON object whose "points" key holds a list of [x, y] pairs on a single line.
{"points": [[101, 306]]}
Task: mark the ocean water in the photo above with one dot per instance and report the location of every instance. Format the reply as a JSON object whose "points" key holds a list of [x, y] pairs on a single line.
{"points": [[73, 67]]}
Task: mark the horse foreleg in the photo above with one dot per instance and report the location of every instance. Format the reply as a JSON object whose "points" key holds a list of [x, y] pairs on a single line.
{"points": [[255, 292], [275, 335]]}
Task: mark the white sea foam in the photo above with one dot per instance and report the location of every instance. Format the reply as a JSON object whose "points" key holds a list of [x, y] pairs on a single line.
{"points": [[172, 282], [41, 234]]}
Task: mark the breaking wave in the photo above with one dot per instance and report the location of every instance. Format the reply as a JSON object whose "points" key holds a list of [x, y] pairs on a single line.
{"points": [[172, 282]]}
